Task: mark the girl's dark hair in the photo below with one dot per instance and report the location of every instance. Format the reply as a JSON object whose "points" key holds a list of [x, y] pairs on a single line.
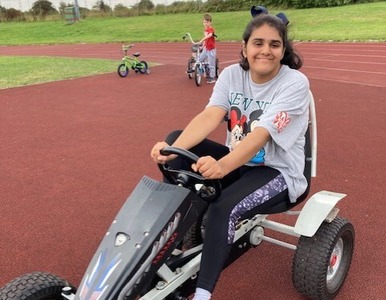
{"points": [[291, 58]]}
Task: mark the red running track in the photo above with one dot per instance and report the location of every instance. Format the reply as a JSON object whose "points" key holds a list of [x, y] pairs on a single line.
{"points": [[71, 152]]}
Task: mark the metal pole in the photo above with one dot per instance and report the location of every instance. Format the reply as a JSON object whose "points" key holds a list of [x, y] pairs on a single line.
{"points": [[77, 14]]}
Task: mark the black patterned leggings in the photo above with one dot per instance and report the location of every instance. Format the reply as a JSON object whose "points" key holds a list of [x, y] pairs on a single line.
{"points": [[244, 190]]}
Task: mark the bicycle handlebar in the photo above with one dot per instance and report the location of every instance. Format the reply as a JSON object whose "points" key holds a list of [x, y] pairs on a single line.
{"points": [[187, 34], [127, 47]]}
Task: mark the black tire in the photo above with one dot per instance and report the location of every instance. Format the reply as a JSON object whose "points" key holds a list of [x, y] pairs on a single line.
{"points": [[196, 233], [217, 68], [123, 70], [191, 63], [321, 262], [34, 286], [142, 68], [197, 75]]}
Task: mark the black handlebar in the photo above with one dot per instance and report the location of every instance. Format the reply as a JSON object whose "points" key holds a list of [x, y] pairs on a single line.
{"points": [[179, 151]]}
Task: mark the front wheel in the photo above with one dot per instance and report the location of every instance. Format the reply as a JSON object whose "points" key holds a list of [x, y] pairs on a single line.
{"points": [[123, 70], [190, 69], [34, 286], [197, 75], [217, 68], [142, 67], [321, 262]]}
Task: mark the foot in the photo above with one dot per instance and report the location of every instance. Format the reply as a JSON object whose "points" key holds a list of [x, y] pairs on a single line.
{"points": [[211, 80]]}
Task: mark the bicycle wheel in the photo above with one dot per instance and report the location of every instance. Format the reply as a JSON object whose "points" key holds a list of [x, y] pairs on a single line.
{"points": [[123, 70], [142, 67], [190, 69], [197, 75], [217, 67]]}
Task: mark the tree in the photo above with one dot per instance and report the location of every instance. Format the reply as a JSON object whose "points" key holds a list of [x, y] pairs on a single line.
{"points": [[144, 5], [2, 12], [62, 7], [101, 6], [42, 8]]}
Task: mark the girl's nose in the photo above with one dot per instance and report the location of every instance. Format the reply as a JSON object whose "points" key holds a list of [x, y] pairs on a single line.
{"points": [[265, 49]]}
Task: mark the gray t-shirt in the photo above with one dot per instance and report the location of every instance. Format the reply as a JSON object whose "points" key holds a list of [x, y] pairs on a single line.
{"points": [[281, 106]]}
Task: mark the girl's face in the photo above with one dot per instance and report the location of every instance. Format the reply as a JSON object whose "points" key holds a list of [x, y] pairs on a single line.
{"points": [[264, 51]]}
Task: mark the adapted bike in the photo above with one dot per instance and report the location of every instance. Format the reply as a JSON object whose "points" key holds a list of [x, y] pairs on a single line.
{"points": [[132, 62], [152, 249], [196, 68]]}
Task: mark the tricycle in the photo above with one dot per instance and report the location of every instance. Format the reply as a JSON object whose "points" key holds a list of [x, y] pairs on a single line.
{"points": [[196, 68]]}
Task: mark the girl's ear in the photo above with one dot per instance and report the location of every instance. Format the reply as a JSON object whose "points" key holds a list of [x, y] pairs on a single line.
{"points": [[244, 49]]}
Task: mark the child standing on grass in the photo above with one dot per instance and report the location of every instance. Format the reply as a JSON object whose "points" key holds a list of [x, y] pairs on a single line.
{"points": [[209, 47]]}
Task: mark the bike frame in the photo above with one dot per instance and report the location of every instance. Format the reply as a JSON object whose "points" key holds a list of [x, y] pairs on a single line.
{"points": [[130, 61]]}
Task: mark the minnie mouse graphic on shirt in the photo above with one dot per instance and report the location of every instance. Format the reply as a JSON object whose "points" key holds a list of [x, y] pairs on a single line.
{"points": [[239, 128], [254, 120]]}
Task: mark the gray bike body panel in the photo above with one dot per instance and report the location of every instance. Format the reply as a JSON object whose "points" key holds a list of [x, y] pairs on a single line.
{"points": [[143, 217]]}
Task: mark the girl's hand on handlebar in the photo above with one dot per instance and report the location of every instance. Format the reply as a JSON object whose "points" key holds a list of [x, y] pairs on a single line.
{"points": [[156, 155], [209, 168]]}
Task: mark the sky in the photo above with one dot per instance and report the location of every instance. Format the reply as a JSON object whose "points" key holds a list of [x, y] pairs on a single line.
{"points": [[25, 5]]}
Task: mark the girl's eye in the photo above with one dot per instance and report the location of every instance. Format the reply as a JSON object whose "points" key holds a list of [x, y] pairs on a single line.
{"points": [[275, 45]]}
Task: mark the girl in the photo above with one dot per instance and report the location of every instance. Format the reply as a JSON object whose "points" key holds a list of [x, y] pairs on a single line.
{"points": [[265, 100]]}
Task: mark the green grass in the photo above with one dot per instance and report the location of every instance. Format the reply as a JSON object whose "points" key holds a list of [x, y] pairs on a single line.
{"points": [[21, 71], [361, 22]]}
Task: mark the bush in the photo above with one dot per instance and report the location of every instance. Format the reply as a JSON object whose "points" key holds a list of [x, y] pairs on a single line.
{"points": [[12, 14], [322, 3]]}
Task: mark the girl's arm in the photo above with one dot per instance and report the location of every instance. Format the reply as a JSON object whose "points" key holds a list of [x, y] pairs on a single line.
{"points": [[200, 127], [195, 132], [248, 147]]}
